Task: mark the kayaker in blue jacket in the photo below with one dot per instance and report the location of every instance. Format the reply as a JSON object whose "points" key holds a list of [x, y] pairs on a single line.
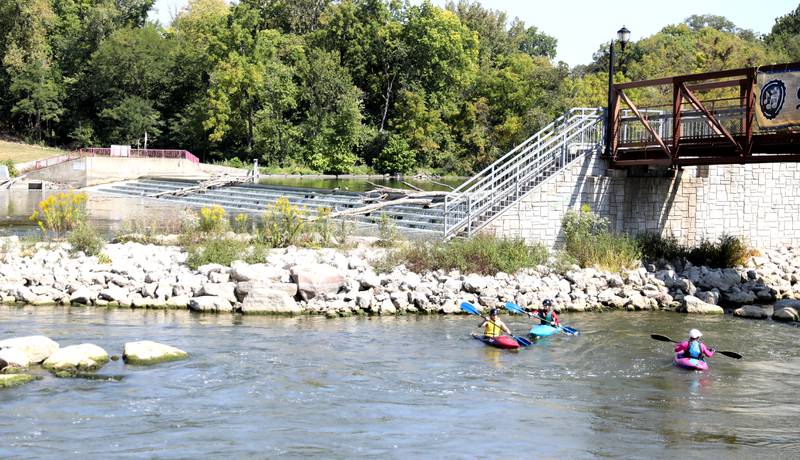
{"points": [[493, 326]]}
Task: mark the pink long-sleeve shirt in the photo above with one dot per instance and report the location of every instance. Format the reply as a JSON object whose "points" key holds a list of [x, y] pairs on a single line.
{"points": [[683, 346]]}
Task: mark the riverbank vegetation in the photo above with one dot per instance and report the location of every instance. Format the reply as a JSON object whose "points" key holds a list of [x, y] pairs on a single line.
{"points": [[727, 251], [323, 86], [482, 254]]}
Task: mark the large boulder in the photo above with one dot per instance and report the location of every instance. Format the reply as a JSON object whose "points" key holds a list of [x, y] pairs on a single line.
{"points": [[264, 300], [146, 352], [13, 357], [751, 311], [76, 358], [785, 314], [210, 304], [787, 303], [113, 292], [721, 279], [246, 272], [315, 280], [244, 287], [224, 290], [82, 295], [36, 347], [692, 304]]}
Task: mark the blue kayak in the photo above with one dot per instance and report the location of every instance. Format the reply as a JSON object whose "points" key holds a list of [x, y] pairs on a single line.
{"points": [[543, 330]]}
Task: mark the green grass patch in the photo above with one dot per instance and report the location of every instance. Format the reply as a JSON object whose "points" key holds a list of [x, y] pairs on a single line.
{"points": [[19, 152], [588, 240], [483, 254]]}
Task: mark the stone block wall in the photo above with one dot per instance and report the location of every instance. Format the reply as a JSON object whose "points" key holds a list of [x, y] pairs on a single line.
{"points": [[760, 202]]}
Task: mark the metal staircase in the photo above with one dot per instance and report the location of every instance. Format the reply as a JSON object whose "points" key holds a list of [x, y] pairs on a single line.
{"points": [[483, 197]]}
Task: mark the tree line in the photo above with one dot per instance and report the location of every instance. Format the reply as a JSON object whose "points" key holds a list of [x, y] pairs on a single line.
{"points": [[327, 86]]}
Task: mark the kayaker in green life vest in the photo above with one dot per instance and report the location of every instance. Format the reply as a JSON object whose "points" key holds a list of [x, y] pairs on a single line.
{"points": [[492, 326], [546, 314]]}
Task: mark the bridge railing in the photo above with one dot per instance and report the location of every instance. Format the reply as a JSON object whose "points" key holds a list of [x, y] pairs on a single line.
{"points": [[142, 153]]}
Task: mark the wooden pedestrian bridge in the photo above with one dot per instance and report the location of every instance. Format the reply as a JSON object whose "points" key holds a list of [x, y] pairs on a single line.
{"points": [[706, 119]]}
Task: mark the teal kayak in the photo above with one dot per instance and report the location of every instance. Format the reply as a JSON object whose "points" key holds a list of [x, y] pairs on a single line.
{"points": [[543, 330]]}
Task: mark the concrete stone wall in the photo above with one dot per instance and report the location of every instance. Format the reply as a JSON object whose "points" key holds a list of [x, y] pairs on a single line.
{"points": [[90, 171], [758, 202]]}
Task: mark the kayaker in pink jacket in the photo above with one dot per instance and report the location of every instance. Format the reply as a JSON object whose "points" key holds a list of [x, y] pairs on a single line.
{"points": [[694, 348]]}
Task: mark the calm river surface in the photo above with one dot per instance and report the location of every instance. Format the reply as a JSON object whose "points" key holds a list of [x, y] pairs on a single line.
{"points": [[257, 387]]}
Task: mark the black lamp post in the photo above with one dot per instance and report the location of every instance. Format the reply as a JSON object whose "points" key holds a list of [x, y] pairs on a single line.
{"points": [[623, 36]]}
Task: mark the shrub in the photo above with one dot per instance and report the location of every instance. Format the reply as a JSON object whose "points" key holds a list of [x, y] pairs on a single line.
{"points": [[12, 168], [60, 212], [103, 259], [654, 247], [84, 238], [591, 243], [728, 251], [283, 224], [484, 254], [240, 222], [323, 226], [387, 231], [222, 251], [396, 157], [212, 219]]}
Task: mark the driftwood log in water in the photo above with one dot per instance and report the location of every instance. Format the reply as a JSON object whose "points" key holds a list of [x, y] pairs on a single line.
{"points": [[381, 197]]}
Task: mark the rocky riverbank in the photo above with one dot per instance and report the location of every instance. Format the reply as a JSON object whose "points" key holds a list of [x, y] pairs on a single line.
{"points": [[333, 282]]}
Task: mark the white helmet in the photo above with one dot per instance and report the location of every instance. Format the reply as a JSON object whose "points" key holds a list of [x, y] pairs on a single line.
{"points": [[695, 334]]}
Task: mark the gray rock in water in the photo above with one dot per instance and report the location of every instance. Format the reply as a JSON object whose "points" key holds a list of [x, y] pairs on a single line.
{"points": [[224, 290], [265, 301], [12, 357], [146, 352], [113, 292], [751, 311], [692, 304], [75, 358], [82, 295], [210, 304], [37, 348], [785, 314]]}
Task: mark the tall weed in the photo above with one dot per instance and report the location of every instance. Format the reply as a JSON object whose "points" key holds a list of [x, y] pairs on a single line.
{"points": [[589, 241], [60, 212]]}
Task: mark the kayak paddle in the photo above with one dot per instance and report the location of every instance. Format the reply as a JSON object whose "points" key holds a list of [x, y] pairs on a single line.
{"points": [[663, 338], [514, 308], [469, 308]]}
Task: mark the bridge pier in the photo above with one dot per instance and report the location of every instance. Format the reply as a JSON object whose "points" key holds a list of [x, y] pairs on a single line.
{"points": [[759, 202]]}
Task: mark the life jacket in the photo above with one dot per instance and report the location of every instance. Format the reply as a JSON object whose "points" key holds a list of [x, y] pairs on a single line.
{"points": [[492, 330], [694, 350], [547, 318]]}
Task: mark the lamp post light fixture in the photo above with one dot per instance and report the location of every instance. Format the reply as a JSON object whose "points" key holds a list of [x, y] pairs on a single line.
{"points": [[623, 36]]}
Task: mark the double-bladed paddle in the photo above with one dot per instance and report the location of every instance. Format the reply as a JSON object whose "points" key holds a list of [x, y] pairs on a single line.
{"points": [[663, 338], [514, 308], [469, 308]]}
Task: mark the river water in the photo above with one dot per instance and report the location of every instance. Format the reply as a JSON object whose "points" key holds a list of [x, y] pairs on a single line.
{"points": [[261, 387]]}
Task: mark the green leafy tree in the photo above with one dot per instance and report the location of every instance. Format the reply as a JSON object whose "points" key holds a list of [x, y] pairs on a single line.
{"points": [[396, 156], [332, 115], [130, 119]]}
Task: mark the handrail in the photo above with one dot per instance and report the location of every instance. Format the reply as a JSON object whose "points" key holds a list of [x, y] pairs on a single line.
{"points": [[475, 202]]}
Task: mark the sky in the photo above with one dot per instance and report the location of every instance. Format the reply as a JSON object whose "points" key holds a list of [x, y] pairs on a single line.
{"points": [[582, 25]]}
